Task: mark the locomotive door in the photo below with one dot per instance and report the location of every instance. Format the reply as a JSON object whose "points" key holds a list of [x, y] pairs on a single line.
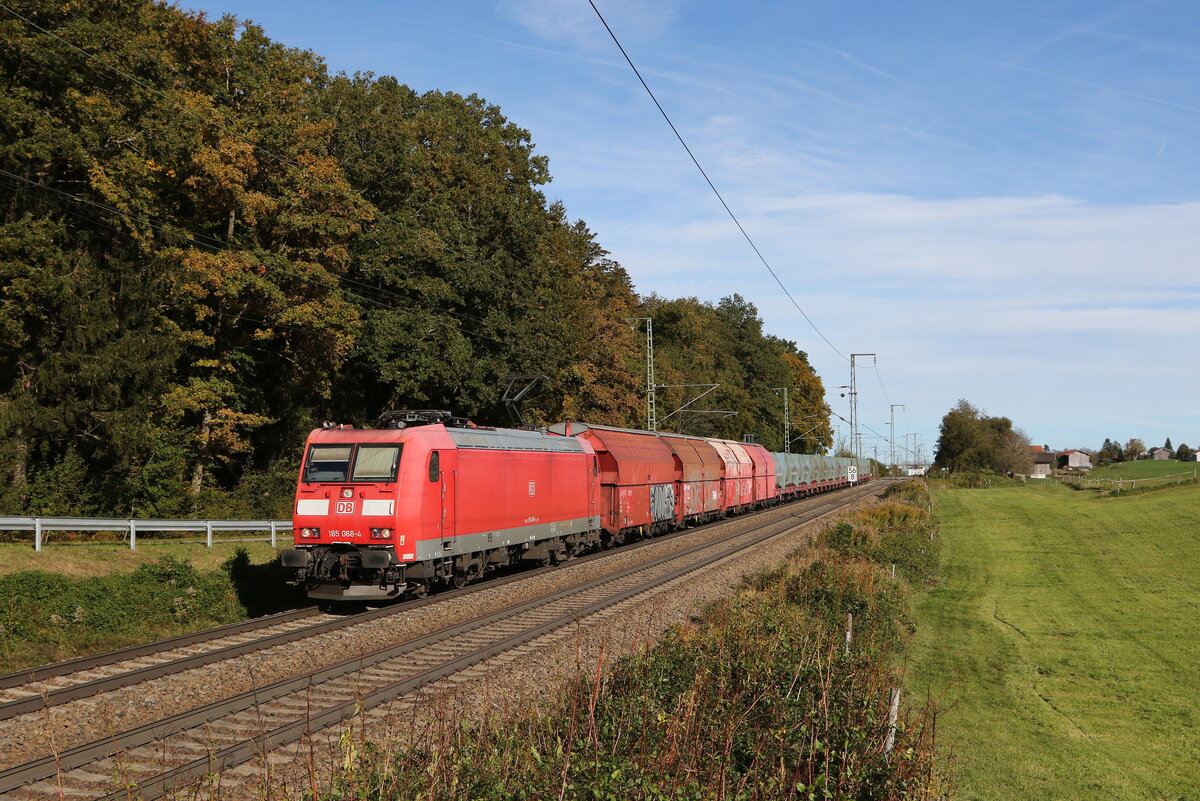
{"points": [[593, 477], [449, 501]]}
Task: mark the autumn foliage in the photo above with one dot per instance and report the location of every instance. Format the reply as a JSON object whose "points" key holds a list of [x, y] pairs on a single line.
{"points": [[209, 244]]}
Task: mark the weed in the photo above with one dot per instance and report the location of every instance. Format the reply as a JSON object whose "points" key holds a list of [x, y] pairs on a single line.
{"points": [[45, 616], [759, 699]]}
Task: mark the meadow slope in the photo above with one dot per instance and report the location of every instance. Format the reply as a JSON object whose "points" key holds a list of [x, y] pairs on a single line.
{"points": [[1063, 643]]}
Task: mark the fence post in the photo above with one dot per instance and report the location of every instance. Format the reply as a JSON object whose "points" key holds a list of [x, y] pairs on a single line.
{"points": [[893, 713], [208, 533], [132, 534], [37, 534], [849, 631], [272, 533]]}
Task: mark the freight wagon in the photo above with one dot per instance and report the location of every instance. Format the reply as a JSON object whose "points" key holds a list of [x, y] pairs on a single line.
{"points": [[428, 498]]}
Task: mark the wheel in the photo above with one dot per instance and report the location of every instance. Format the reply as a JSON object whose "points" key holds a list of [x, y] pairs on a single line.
{"points": [[418, 589], [341, 607], [458, 580]]}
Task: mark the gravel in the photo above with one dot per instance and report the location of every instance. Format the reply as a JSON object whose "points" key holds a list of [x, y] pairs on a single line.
{"points": [[518, 680], [506, 683]]}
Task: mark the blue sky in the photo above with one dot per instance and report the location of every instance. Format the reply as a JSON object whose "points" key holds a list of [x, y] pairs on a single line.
{"points": [[1000, 199]]}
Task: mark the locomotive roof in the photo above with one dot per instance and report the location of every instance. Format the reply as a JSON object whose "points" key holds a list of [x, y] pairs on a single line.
{"points": [[576, 427], [512, 439]]}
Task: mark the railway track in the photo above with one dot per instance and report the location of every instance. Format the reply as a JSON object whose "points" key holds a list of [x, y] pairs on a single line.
{"points": [[153, 759], [34, 689]]}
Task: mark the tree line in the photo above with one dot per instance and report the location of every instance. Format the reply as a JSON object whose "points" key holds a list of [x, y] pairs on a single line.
{"points": [[970, 439], [1135, 448], [209, 244]]}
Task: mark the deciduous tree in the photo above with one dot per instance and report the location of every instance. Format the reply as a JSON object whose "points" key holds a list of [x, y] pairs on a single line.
{"points": [[970, 440]]}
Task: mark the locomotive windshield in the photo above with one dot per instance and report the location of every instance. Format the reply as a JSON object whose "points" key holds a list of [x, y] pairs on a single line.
{"points": [[376, 463], [332, 463]]}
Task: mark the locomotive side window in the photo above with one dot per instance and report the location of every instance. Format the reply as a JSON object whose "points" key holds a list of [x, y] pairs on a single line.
{"points": [[376, 463], [327, 463], [434, 466]]}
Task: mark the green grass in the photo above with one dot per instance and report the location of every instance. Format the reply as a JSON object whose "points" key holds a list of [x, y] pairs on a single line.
{"points": [[80, 559], [1147, 468], [1064, 643], [756, 701], [79, 597], [49, 616]]}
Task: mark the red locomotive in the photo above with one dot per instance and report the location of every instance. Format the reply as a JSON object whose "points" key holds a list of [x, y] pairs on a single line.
{"points": [[429, 498]]}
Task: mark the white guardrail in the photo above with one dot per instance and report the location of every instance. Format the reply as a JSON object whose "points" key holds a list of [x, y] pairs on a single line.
{"points": [[40, 525]]}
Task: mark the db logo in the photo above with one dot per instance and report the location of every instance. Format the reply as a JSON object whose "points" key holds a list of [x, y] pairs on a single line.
{"points": [[532, 487], [344, 508]]}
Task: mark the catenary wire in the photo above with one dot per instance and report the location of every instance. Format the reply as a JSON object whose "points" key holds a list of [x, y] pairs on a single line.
{"points": [[213, 244], [711, 185]]}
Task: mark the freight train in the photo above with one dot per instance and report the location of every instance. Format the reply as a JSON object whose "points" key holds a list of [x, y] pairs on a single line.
{"points": [[429, 499]]}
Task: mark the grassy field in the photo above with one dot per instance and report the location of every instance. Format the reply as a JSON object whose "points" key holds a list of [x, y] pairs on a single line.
{"points": [[77, 559], [1147, 468], [76, 599], [1064, 643]]}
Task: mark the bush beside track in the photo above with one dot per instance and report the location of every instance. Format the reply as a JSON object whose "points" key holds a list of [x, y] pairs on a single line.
{"points": [[46, 617], [756, 700]]}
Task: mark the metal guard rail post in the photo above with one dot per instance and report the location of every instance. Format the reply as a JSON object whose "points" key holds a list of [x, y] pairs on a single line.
{"points": [[40, 525]]}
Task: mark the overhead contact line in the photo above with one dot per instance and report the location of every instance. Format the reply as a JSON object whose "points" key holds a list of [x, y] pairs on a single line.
{"points": [[711, 185]]}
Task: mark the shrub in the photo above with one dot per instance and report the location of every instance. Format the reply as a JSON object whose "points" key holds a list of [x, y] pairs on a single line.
{"points": [[759, 700], [890, 534], [914, 492], [46, 616]]}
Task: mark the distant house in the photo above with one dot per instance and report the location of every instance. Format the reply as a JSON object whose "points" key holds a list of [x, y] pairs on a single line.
{"points": [[1075, 460], [1043, 462], [1161, 453]]}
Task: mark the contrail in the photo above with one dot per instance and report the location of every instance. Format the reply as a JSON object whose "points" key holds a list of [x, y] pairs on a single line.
{"points": [[1147, 98]]}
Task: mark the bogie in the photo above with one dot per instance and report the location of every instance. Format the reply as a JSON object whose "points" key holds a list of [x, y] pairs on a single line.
{"points": [[431, 500]]}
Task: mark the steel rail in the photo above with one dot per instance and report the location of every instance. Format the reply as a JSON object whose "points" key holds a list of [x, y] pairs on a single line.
{"points": [[49, 766], [93, 661], [61, 695], [228, 757]]}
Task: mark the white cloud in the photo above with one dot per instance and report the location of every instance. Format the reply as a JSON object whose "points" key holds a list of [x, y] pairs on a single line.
{"points": [[1053, 311], [575, 22]]}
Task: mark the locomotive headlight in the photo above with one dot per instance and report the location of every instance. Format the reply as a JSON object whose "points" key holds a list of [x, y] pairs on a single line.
{"points": [[381, 533], [310, 532]]}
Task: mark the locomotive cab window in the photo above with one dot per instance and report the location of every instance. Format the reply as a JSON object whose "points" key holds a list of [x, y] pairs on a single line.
{"points": [[434, 466], [327, 463], [376, 463]]}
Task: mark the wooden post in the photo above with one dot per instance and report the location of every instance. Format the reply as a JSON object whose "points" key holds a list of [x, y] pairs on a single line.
{"points": [[893, 713]]}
